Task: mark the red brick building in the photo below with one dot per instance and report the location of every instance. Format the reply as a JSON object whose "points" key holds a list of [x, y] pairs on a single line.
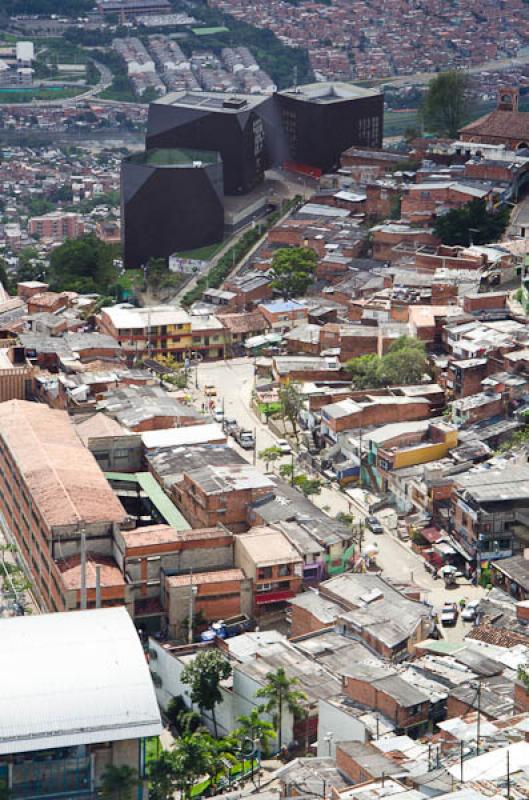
{"points": [[214, 495], [405, 705]]}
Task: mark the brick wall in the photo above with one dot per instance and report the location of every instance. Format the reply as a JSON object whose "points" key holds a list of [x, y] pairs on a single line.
{"points": [[304, 622]]}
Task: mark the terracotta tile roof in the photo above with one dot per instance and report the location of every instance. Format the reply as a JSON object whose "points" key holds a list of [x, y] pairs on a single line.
{"points": [[497, 636], [198, 578], [99, 426], [507, 124], [63, 477], [70, 569], [251, 322]]}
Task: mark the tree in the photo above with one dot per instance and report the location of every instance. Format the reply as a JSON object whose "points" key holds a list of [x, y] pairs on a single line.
{"points": [[404, 364], [364, 370], [191, 758], [293, 270], [221, 758], [204, 675], [473, 223], [182, 719], [447, 103], [251, 726], [291, 402], [4, 275], [154, 272], [118, 783], [30, 267], [83, 265], [308, 485], [269, 455], [280, 694], [163, 777]]}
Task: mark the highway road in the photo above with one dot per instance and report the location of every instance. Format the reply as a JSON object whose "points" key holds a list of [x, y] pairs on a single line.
{"points": [[419, 78]]}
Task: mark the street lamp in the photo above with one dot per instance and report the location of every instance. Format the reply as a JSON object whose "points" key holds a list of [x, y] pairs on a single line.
{"points": [[329, 736]]}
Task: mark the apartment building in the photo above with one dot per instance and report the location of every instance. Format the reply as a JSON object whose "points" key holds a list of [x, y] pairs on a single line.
{"points": [[491, 510], [150, 331], [272, 563], [51, 492], [56, 226]]}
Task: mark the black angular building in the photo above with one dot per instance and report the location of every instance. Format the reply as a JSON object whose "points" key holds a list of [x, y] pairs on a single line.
{"points": [[234, 126], [321, 120], [171, 200]]}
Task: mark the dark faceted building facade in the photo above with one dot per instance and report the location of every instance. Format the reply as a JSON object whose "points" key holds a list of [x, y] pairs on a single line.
{"points": [[321, 120], [173, 197], [171, 200], [234, 126]]}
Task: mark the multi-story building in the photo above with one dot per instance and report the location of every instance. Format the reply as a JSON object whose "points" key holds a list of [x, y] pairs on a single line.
{"points": [[171, 200], [321, 120], [147, 557], [273, 564], [220, 494], [231, 126], [76, 698], [217, 594], [56, 226], [490, 511], [131, 8], [149, 331], [52, 495]]}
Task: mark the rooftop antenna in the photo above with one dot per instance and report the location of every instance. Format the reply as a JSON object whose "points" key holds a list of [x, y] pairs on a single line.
{"points": [[295, 77]]}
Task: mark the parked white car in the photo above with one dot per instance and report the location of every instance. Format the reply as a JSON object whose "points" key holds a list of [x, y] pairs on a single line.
{"points": [[284, 446]]}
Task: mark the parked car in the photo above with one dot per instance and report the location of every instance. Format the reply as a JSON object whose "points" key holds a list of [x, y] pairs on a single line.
{"points": [[245, 439], [468, 614], [284, 446], [449, 615], [210, 390], [374, 525], [229, 425], [218, 415]]}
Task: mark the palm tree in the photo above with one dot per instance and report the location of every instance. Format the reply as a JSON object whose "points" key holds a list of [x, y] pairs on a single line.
{"points": [[221, 758], [253, 727], [117, 783], [280, 694], [192, 758]]}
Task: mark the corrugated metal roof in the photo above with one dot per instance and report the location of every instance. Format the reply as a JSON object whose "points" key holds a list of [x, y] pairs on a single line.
{"points": [[73, 678]]}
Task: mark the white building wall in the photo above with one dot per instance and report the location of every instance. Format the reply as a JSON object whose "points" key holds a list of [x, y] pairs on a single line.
{"points": [[238, 701], [341, 726]]}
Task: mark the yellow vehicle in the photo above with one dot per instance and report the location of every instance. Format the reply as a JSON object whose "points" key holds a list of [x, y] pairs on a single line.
{"points": [[210, 390]]}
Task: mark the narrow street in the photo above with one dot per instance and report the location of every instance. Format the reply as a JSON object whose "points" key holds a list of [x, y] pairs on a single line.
{"points": [[234, 381]]}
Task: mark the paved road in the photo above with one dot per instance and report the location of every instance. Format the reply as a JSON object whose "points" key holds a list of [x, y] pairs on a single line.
{"points": [[234, 381], [105, 79], [489, 66]]}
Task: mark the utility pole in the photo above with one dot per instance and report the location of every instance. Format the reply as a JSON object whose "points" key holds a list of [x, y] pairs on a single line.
{"points": [[508, 775], [478, 727], [83, 570], [98, 586], [190, 613], [461, 757], [254, 446]]}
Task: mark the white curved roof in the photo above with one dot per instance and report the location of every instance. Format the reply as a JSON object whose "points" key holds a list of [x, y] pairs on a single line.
{"points": [[71, 678]]}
